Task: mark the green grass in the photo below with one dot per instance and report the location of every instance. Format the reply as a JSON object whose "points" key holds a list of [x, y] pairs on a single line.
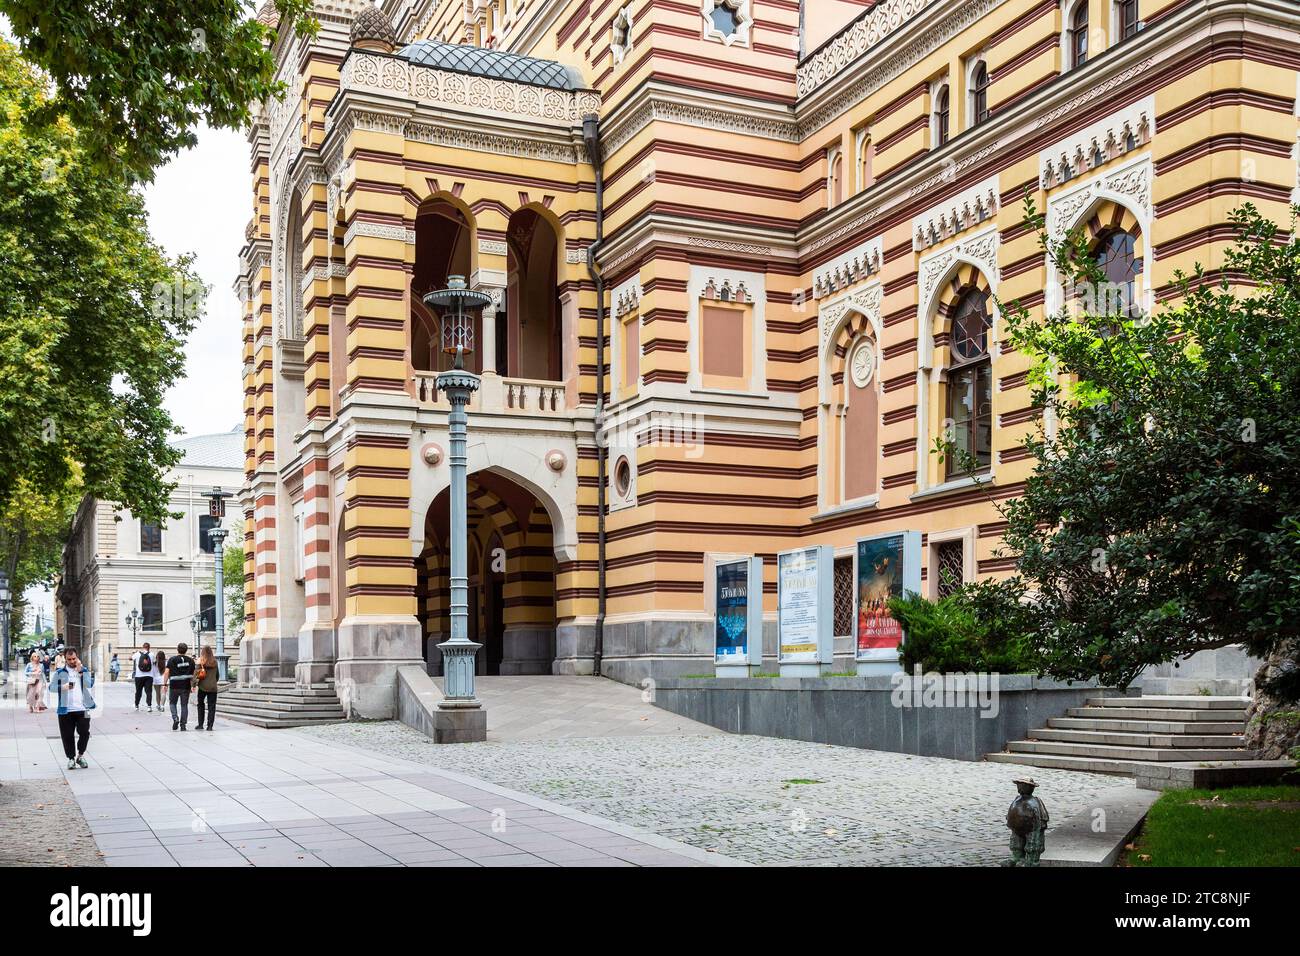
{"points": [[1240, 826], [799, 781]]}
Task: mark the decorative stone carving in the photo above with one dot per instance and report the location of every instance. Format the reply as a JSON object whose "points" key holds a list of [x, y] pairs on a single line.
{"points": [[484, 142], [491, 247], [476, 94], [964, 211], [857, 264], [1122, 132], [555, 460], [866, 300], [981, 249], [865, 36], [725, 291], [625, 298], [744, 21], [377, 230], [372, 30], [1130, 183], [749, 247], [620, 35]]}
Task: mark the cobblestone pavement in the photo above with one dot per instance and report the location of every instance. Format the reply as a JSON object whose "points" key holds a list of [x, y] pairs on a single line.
{"points": [[42, 825], [759, 799]]}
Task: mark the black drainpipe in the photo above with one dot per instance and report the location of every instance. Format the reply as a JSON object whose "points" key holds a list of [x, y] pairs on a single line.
{"points": [[591, 137]]}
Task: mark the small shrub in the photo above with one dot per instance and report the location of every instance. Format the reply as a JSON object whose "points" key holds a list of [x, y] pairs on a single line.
{"points": [[978, 628]]}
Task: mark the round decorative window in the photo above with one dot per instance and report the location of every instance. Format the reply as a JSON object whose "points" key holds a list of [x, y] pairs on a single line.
{"points": [[623, 477], [862, 364]]}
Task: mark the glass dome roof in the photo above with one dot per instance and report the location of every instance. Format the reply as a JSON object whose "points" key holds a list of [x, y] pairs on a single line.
{"points": [[497, 64]]}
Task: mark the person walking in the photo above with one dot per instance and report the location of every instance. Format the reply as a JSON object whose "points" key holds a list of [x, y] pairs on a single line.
{"points": [[142, 674], [178, 675], [159, 680], [115, 668], [73, 683], [36, 685], [206, 678]]}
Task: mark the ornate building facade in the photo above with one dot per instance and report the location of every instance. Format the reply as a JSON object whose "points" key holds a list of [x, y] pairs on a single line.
{"points": [[743, 258]]}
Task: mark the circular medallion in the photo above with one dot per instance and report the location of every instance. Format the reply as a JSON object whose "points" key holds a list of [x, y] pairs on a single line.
{"points": [[862, 364]]}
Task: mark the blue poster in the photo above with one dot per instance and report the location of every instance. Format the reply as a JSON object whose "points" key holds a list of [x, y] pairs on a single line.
{"points": [[732, 614]]}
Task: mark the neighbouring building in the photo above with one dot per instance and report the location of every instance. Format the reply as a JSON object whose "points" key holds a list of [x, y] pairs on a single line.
{"points": [[114, 563], [742, 256]]}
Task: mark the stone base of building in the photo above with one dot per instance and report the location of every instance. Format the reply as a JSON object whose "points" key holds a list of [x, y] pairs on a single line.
{"points": [[265, 659], [370, 650], [317, 653], [528, 650]]}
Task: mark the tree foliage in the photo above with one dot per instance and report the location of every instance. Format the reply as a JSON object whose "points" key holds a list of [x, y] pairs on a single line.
{"points": [[93, 316], [136, 77], [1163, 513]]}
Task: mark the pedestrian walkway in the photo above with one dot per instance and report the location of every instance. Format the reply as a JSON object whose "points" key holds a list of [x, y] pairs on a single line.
{"points": [[246, 796], [546, 707]]}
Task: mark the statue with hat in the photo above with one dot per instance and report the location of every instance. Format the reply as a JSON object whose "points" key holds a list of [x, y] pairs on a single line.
{"points": [[1027, 821]]}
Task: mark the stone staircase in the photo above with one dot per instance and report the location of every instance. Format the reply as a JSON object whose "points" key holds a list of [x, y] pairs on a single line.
{"points": [[281, 703], [1120, 734]]}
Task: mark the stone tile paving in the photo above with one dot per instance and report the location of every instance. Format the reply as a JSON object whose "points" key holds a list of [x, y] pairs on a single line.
{"points": [[245, 796], [739, 795]]}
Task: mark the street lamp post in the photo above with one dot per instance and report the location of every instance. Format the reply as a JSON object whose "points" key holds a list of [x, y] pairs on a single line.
{"points": [[4, 619], [133, 622], [217, 509], [218, 536], [458, 384]]}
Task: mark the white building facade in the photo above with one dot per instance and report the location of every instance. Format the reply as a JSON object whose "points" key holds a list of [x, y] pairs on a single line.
{"points": [[115, 563]]}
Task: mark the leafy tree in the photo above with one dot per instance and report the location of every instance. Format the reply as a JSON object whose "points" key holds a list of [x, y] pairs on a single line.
{"points": [[1161, 518], [33, 528], [93, 316], [138, 76]]}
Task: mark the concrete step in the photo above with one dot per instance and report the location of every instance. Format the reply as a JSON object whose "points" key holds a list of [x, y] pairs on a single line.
{"points": [[1188, 702], [1147, 726], [278, 701], [272, 723], [1126, 768], [1136, 739], [259, 706], [1142, 754], [1155, 713]]}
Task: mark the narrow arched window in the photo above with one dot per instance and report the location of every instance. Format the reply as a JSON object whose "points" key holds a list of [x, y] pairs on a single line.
{"points": [[979, 94], [969, 402], [941, 112], [1079, 35]]}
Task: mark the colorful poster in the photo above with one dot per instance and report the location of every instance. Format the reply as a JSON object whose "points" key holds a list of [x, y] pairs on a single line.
{"points": [[731, 617], [880, 577], [797, 603]]}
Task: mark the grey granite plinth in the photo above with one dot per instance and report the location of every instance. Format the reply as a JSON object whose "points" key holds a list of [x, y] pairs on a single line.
{"points": [[370, 651], [421, 705]]}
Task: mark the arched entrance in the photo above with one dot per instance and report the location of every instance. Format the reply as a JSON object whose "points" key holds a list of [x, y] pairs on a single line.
{"points": [[511, 571], [442, 248]]}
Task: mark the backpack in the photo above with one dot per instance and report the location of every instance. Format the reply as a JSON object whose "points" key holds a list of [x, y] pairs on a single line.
{"points": [[146, 663]]}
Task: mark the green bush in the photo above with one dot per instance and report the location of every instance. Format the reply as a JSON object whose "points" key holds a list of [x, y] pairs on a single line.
{"points": [[978, 628]]}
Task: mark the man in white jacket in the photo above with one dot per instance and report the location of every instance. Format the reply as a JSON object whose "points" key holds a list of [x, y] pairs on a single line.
{"points": [[142, 665]]}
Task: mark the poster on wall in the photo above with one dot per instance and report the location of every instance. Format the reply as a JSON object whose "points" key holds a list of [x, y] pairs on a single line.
{"points": [[888, 566], [804, 610], [738, 613]]}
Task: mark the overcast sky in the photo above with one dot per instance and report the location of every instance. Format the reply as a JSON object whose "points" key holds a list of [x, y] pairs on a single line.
{"points": [[200, 203]]}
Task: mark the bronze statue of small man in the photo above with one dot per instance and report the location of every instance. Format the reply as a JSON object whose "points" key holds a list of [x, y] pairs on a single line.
{"points": [[1027, 820]]}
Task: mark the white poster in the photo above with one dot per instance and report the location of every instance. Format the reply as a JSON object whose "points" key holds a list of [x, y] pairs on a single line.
{"points": [[797, 606]]}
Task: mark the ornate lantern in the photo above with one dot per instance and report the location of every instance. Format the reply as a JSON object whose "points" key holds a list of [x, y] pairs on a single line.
{"points": [[455, 304]]}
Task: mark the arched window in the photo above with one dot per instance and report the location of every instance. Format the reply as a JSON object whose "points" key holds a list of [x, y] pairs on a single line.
{"points": [[1116, 255], [979, 94], [858, 452], [835, 179], [1078, 36], [1126, 17], [864, 150], [941, 111], [970, 385]]}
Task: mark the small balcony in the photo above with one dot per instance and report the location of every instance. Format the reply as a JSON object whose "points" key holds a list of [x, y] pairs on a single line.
{"points": [[498, 395]]}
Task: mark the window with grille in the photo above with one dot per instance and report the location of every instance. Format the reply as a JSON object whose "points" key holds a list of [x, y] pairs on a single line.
{"points": [[843, 590], [949, 566]]}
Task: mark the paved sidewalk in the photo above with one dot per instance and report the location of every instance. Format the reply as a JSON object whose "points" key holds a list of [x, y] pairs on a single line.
{"points": [[546, 707], [246, 796]]}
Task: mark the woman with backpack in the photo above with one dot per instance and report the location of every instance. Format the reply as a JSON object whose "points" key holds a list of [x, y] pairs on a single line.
{"points": [[206, 677]]}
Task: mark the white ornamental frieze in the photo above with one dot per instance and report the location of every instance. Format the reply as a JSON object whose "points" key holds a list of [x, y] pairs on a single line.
{"points": [[383, 74], [980, 250]]}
